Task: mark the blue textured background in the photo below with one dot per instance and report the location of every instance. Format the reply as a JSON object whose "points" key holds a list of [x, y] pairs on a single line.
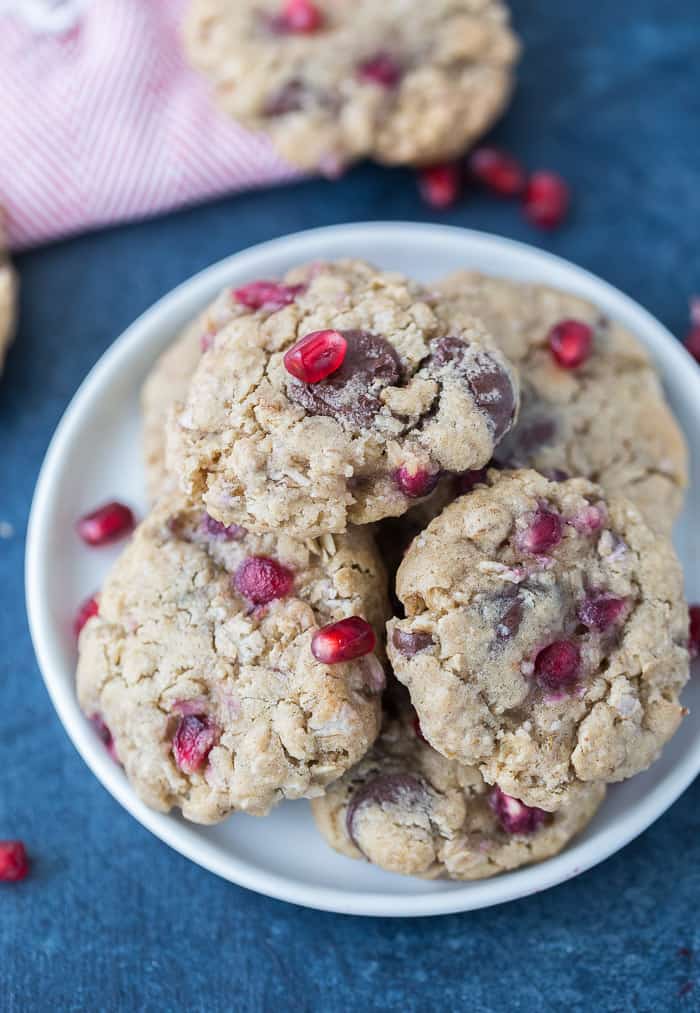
{"points": [[111, 919]]}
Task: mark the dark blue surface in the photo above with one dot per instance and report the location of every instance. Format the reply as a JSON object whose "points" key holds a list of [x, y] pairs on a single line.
{"points": [[111, 919]]}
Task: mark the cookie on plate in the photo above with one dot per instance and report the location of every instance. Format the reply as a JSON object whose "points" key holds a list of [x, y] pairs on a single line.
{"points": [[8, 299], [592, 404], [332, 81], [545, 637], [211, 666], [407, 809], [336, 399]]}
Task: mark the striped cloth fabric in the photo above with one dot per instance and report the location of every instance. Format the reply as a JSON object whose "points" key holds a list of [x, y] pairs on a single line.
{"points": [[102, 120]]}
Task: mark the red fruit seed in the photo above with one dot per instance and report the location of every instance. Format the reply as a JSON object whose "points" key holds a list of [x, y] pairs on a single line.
{"points": [[416, 483], [192, 742], [270, 295], [14, 863], [381, 69], [261, 580], [694, 632], [316, 356], [542, 534], [300, 17], [571, 343], [558, 665], [600, 611], [546, 199], [89, 608], [513, 815], [418, 730], [498, 171], [106, 524], [343, 641], [440, 185]]}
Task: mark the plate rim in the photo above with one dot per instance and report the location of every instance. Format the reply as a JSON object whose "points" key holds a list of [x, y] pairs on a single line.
{"points": [[182, 837]]}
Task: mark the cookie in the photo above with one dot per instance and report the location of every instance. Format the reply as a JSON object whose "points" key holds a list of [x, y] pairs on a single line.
{"points": [[545, 637], [202, 662], [603, 417], [337, 398], [407, 809], [332, 82], [8, 300]]}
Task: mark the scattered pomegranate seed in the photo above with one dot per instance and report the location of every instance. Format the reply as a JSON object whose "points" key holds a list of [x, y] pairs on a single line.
{"points": [[14, 863], [558, 664], [600, 611], [316, 356], [381, 69], [468, 480], [570, 342], [269, 295], [546, 199], [497, 170], [513, 815], [440, 185], [261, 580], [418, 730], [692, 342], [694, 631], [343, 641], [89, 608], [106, 524], [300, 17], [416, 483], [193, 741], [542, 533]]}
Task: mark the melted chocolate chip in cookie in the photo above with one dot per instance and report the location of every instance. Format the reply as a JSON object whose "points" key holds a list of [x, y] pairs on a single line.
{"points": [[385, 789], [488, 382], [351, 393], [409, 644]]}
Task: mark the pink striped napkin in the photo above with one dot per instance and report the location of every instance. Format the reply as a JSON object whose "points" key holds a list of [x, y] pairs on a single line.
{"points": [[102, 120]]}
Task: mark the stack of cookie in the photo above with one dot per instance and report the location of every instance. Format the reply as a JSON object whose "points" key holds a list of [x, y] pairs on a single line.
{"points": [[489, 466]]}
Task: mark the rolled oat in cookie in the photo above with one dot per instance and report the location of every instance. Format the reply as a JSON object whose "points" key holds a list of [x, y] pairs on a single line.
{"points": [[331, 81], [8, 299], [338, 401], [545, 638], [407, 809], [592, 404], [203, 664]]}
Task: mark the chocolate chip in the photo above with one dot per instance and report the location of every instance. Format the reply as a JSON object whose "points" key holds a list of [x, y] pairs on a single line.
{"points": [[533, 432], [409, 644], [385, 789], [446, 350], [509, 621], [489, 383], [351, 394], [289, 99]]}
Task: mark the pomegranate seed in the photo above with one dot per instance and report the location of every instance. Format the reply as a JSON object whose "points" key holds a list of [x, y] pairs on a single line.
{"points": [[692, 342], [570, 342], [106, 524], [89, 608], [299, 17], [468, 480], [546, 199], [316, 356], [193, 741], [105, 736], [269, 295], [14, 863], [599, 611], [513, 815], [343, 641], [558, 664], [416, 483], [694, 632], [498, 171], [227, 533], [440, 185], [542, 534], [381, 69], [261, 580], [418, 730]]}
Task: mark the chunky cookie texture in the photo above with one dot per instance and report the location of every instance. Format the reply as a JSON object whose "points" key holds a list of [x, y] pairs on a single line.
{"points": [[269, 438], [545, 638], [8, 299], [199, 667], [332, 81], [407, 809], [592, 404]]}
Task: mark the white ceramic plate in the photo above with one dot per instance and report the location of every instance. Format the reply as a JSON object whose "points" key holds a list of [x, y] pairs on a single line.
{"points": [[95, 456]]}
